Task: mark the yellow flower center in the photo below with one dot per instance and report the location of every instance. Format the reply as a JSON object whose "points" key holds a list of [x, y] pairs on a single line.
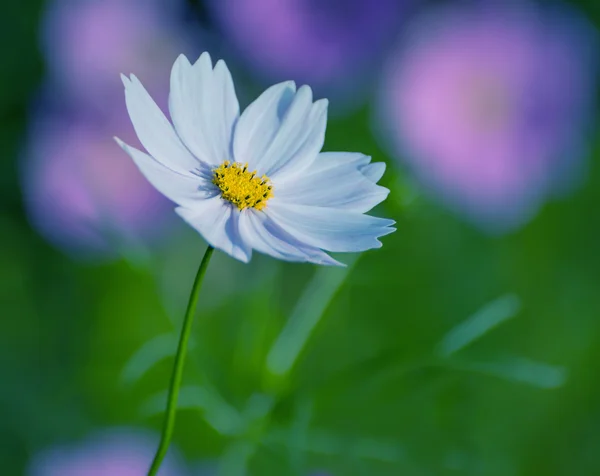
{"points": [[241, 187]]}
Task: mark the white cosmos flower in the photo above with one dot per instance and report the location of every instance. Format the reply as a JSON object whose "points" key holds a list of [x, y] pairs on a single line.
{"points": [[257, 180]]}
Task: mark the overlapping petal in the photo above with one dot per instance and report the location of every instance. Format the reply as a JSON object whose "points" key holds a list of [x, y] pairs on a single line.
{"points": [[282, 132], [204, 107], [154, 130], [182, 189], [330, 229], [266, 236], [218, 222], [343, 180], [373, 171]]}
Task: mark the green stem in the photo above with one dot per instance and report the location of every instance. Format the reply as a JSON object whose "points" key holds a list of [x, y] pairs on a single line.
{"points": [[177, 374]]}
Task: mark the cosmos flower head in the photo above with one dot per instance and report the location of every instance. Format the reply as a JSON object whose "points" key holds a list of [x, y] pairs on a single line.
{"points": [[329, 44], [81, 195], [118, 452], [87, 43], [255, 181], [489, 105]]}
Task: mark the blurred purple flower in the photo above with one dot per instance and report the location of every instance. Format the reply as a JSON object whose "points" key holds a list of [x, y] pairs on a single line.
{"points": [[78, 190], [81, 194], [328, 43], [89, 43], [489, 107], [113, 453]]}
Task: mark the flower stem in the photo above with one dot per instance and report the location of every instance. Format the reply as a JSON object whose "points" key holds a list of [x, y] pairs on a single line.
{"points": [[177, 374]]}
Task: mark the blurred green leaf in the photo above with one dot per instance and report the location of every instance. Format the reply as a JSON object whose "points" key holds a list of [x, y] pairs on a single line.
{"points": [[218, 413], [518, 369], [299, 432], [480, 323], [329, 443], [306, 315], [235, 458], [148, 355]]}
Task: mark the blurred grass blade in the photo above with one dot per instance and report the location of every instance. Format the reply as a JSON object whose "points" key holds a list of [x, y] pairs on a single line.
{"points": [[299, 432], [331, 444], [148, 355], [308, 312], [218, 413], [235, 458], [520, 369], [484, 320], [257, 408]]}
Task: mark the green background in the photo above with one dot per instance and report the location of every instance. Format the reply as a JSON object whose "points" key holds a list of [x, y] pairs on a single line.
{"points": [[370, 392]]}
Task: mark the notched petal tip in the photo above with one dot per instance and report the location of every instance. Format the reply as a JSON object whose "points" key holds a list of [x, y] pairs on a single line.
{"points": [[182, 57], [203, 61], [244, 258], [291, 84], [222, 71], [135, 81], [305, 93], [126, 81], [384, 232], [322, 103], [126, 148], [335, 263], [373, 171], [387, 231], [181, 61]]}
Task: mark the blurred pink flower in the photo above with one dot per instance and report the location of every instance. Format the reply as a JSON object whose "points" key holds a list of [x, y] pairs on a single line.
{"points": [[89, 43], [113, 453], [489, 105], [330, 44], [81, 194]]}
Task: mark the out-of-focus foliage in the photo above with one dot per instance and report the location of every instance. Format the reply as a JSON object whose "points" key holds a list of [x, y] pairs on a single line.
{"points": [[446, 352]]}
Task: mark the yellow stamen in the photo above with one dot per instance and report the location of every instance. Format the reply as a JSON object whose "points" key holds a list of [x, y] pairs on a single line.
{"points": [[241, 187]]}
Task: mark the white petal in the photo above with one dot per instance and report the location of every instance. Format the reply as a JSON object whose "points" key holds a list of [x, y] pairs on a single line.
{"points": [[300, 137], [264, 235], [374, 171], [182, 189], [154, 130], [204, 107], [218, 222], [260, 121], [335, 180], [282, 131], [328, 228]]}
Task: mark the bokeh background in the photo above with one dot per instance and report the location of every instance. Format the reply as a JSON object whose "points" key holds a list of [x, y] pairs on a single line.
{"points": [[468, 345]]}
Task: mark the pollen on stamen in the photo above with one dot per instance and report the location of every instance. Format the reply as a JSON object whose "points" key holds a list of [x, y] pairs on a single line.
{"points": [[241, 187]]}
